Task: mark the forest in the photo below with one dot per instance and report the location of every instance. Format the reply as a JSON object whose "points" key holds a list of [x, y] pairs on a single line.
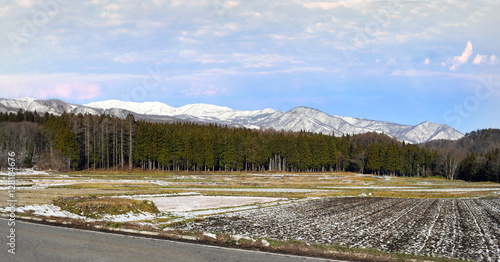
{"points": [[92, 142]]}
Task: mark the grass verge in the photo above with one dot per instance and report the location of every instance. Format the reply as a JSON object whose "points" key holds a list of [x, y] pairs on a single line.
{"points": [[300, 248]]}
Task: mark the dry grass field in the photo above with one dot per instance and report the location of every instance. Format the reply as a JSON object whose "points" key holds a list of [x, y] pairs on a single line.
{"points": [[45, 187]]}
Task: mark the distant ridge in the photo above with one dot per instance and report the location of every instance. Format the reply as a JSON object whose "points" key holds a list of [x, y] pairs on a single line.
{"points": [[297, 119]]}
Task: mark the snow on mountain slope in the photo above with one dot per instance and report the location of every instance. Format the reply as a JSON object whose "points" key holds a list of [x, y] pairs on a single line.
{"points": [[431, 131], [146, 108], [297, 119], [195, 112], [202, 110], [43, 106]]}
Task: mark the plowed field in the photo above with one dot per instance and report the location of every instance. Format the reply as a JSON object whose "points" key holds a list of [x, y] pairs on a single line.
{"points": [[455, 228]]}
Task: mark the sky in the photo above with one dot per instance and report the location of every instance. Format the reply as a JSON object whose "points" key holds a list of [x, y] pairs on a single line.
{"points": [[399, 61]]}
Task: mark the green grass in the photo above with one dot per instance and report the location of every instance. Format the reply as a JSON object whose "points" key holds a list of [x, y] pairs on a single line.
{"points": [[345, 252], [96, 207], [183, 222], [114, 225]]}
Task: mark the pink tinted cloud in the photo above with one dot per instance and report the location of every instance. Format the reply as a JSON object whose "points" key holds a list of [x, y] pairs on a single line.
{"points": [[462, 59], [196, 90], [479, 59], [74, 90]]}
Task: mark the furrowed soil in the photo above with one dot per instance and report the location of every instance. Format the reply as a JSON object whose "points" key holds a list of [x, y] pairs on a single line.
{"points": [[453, 228]]}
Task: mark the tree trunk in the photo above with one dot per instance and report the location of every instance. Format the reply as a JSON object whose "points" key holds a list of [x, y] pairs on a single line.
{"points": [[130, 147]]}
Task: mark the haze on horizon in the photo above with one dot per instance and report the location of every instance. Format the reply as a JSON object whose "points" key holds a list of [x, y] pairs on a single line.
{"points": [[399, 61]]}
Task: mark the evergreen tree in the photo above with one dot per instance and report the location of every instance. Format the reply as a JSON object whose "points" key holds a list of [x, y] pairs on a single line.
{"points": [[373, 165]]}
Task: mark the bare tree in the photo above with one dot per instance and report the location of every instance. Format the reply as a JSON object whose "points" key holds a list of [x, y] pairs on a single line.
{"points": [[448, 162], [131, 129]]}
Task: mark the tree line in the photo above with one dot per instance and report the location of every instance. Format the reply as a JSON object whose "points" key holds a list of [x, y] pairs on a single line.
{"points": [[476, 157], [78, 142]]}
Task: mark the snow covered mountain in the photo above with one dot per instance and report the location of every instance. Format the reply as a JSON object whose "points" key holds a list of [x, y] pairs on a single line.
{"points": [[299, 118], [52, 106]]}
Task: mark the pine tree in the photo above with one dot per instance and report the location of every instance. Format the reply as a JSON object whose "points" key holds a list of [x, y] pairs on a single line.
{"points": [[373, 158]]}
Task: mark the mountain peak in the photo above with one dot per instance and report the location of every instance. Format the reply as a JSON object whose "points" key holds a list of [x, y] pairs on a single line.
{"points": [[146, 108], [304, 110], [267, 111], [206, 106], [25, 99], [201, 109]]}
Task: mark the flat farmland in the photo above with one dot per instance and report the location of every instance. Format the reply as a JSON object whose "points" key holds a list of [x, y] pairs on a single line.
{"points": [[364, 213], [454, 228]]}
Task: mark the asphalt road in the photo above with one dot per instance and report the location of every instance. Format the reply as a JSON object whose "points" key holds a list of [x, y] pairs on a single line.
{"points": [[37, 242]]}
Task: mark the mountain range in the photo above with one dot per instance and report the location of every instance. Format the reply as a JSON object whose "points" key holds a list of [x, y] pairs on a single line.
{"points": [[297, 119]]}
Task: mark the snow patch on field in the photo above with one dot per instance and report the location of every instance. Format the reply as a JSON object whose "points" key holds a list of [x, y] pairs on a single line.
{"points": [[129, 217], [449, 189], [190, 203], [262, 190], [371, 187], [181, 205], [44, 210], [26, 172], [55, 211], [148, 197], [201, 213]]}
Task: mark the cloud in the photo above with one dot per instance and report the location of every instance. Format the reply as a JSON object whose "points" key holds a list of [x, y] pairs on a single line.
{"points": [[197, 89], [352, 4], [74, 90], [5, 10], [245, 60], [264, 60], [44, 88], [419, 73], [391, 62], [494, 60], [26, 3], [482, 59], [462, 59], [479, 59], [125, 58], [205, 46], [322, 5]]}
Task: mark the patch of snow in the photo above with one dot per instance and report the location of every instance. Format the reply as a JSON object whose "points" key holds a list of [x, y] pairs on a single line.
{"points": [[266, 190], [26, 172], [190, 203], [238, 238], [161, 183], [148, 197], [373, 187], [55, 211], [210, 235], [193, 214], [129, 217], [450, 190], [44, 210], [265, 242]]}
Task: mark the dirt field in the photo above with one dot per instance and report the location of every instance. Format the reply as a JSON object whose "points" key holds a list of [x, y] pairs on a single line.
{"points": [[454, 228]]}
